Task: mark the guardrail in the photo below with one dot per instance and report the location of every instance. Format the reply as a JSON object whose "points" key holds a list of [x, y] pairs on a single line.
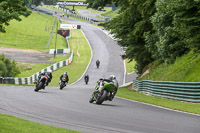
{"points": [[184, 91]]}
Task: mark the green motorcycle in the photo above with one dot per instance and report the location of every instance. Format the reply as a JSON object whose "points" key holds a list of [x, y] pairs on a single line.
{"points": [[103, 91]]}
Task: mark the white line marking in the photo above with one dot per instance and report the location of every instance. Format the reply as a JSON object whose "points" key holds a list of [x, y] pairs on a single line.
{"points": [[159, 107]]}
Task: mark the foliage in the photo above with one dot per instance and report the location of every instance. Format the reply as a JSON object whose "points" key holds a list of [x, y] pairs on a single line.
{"points": [[185, 68], [155, 29], [129, 27], [177, 29], [11, 9], [8, 68], [97, 3]]}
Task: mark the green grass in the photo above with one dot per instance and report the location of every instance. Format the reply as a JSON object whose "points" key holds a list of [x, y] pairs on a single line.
{"points": [[59, 58], [32, 32], [79, 64], [111, 13], [75, 69], [28, 69], [10, 124], [185, 68], [168, 103], [130, 66]]}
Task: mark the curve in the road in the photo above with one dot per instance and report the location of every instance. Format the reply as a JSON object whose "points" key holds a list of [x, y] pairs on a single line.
{"points": [[70, 108]]}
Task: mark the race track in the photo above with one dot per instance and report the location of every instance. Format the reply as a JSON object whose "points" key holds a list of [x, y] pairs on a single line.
{"points": [[70, 108]]}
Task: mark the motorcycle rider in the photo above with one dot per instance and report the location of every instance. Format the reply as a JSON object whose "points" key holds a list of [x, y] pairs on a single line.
{"points": [[97, 63], [86, 78], [64, 75], [112, 79], [48, 73]]}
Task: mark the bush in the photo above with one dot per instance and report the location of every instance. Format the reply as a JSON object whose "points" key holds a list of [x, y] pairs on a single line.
{"points": [[8, 68]]}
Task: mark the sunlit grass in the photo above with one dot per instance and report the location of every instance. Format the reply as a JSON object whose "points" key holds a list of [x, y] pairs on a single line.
{"points": [[164, 102], [32, 32], [11, 124], [79, 64], [130, 66], [185, 68]]}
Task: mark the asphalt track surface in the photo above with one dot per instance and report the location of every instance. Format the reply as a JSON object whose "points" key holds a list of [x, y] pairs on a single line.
{"points": [[70, 108]]}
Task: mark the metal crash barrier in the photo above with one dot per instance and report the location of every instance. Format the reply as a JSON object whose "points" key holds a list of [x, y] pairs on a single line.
{"points": [[184, 91]]}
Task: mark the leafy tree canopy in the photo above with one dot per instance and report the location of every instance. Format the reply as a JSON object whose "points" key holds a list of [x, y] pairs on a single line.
{"points": [[13, 9], [8, 68], [155, 29]]}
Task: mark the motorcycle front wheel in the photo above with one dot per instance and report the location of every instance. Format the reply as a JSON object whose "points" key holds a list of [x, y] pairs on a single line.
{"points": [[38, 87], [91, 99], [102, 98], [62, 85]]}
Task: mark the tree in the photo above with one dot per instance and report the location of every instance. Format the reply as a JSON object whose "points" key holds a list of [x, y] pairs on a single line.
{"points": [[11, 9], [129, 27], [155, 29], [177, 29], [8, 68], [97, 3]]}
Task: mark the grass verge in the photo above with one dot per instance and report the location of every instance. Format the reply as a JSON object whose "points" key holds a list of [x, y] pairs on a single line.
{"points": [[28, 69], [168, 103], [185, 68], [32, 32], [82, 55], [130, 66], [10, 124], [79, 64]]}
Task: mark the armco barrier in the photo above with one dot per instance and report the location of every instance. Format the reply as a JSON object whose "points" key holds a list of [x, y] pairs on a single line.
{"points": [[33, 78], [184, 91]]}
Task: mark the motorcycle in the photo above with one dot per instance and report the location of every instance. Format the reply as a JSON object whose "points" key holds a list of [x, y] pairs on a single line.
{"points": [[63, 82], [86, 80], [41, 83], [97, 64], [103, 91]]}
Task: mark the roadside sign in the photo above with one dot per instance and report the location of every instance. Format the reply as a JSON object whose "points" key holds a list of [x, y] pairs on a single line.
{"points": [[64, 33], [69, 26]]}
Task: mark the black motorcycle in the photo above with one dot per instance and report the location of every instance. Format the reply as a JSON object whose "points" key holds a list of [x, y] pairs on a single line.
{"points": [[97, 63], [41, 83], [63, 82], [86, 78]]}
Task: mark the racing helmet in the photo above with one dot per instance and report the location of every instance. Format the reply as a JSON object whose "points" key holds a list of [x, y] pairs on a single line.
{"points": [[49, 71], [65, 73], [112, 77]]}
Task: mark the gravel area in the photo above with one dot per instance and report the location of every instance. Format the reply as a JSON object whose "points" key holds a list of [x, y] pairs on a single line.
{"points": [[26, 55]]}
